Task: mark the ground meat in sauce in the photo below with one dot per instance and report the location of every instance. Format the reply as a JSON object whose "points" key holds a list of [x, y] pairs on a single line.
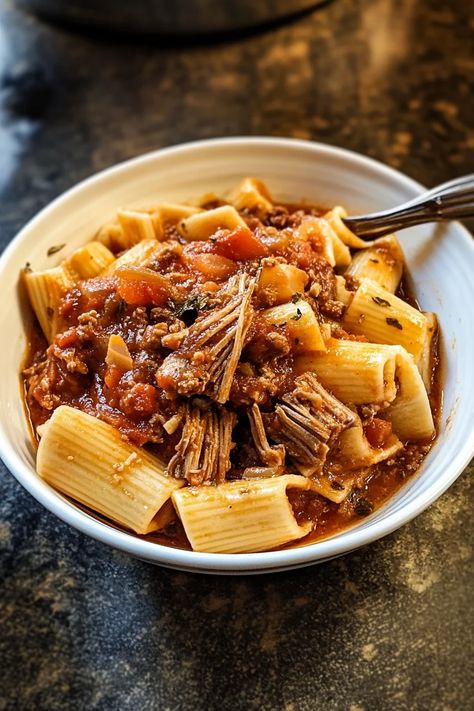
{"points": [[72, 370]]}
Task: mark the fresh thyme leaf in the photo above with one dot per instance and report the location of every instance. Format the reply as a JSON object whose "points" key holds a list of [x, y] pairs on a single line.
{"points": [[27, 268], [54, 249], [295, 298], [395, 323], [337, 486], [381, 302], [189, 310], [297, 315], [375, 261]]}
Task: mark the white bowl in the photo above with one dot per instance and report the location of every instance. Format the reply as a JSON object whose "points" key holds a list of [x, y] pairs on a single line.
{"points": [[440, 258]]}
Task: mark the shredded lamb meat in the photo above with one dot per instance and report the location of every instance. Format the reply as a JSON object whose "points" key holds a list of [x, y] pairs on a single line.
{"points": [[208, 352], [203, 452], [307, 420], [271, 456]]}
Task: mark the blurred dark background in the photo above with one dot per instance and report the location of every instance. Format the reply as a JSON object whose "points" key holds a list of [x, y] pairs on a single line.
{"points": [[83, 627]]}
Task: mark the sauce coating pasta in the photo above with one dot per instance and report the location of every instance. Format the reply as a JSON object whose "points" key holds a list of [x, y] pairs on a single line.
{"points": [[249, 374]]}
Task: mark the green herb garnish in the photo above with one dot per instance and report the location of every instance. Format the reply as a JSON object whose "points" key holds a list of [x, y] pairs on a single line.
{"points": [[297, 315], [381, 302], [54, 249], [395, 323], [189, 310]]}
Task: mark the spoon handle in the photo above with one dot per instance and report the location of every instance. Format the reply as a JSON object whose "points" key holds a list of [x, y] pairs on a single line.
{"points": [[449, 201]]}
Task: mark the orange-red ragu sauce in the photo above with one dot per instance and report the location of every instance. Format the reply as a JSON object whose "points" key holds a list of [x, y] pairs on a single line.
{"points": [[137, 402]]}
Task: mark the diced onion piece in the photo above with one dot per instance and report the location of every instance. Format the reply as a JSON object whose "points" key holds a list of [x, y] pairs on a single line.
{"points": [[342, 293], [118, 353], [171, 425], [139, 286]]}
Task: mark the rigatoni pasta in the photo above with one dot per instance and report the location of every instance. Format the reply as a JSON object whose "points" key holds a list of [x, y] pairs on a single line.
{"points": [[385, 318], [356, 372], [137, 226], [88, 261], [45, 290], [241, 516], [382, 263], [303, 327], [89, 461], [233, 375]]}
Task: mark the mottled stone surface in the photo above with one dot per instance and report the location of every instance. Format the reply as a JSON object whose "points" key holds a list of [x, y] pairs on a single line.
{"points": [[388, 627]]}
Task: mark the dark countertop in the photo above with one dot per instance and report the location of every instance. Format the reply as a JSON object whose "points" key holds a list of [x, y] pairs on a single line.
{"points": [[85, 627]]}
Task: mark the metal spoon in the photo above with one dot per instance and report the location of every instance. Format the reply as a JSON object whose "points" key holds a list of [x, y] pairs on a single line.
{"points": [[450, 201]]}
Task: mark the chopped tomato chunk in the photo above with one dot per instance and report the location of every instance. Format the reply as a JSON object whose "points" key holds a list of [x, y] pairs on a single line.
{"points": [[112, 376], [139, 293], [213, 266], [140, 399], [378, 431], [241, 243], [68, 339]]}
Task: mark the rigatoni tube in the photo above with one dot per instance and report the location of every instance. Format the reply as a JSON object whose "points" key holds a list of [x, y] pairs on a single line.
{"points": [[251, 194], [384, 318], [89, 261], [88, 460], [241, 516], [383, 263], [204, 224], [46, 289], [136, 226], [354, 372], [302, 324]]}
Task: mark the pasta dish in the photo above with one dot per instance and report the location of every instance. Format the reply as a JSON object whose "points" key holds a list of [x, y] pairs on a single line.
{"points": [[233, 376]]}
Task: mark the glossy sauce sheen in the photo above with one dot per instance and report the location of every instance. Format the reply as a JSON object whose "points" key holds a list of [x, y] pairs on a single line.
{"points": [[128, 401]]}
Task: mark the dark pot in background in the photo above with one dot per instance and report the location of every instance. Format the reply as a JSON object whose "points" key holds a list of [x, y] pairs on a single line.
{"points": [[170, 17]]}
